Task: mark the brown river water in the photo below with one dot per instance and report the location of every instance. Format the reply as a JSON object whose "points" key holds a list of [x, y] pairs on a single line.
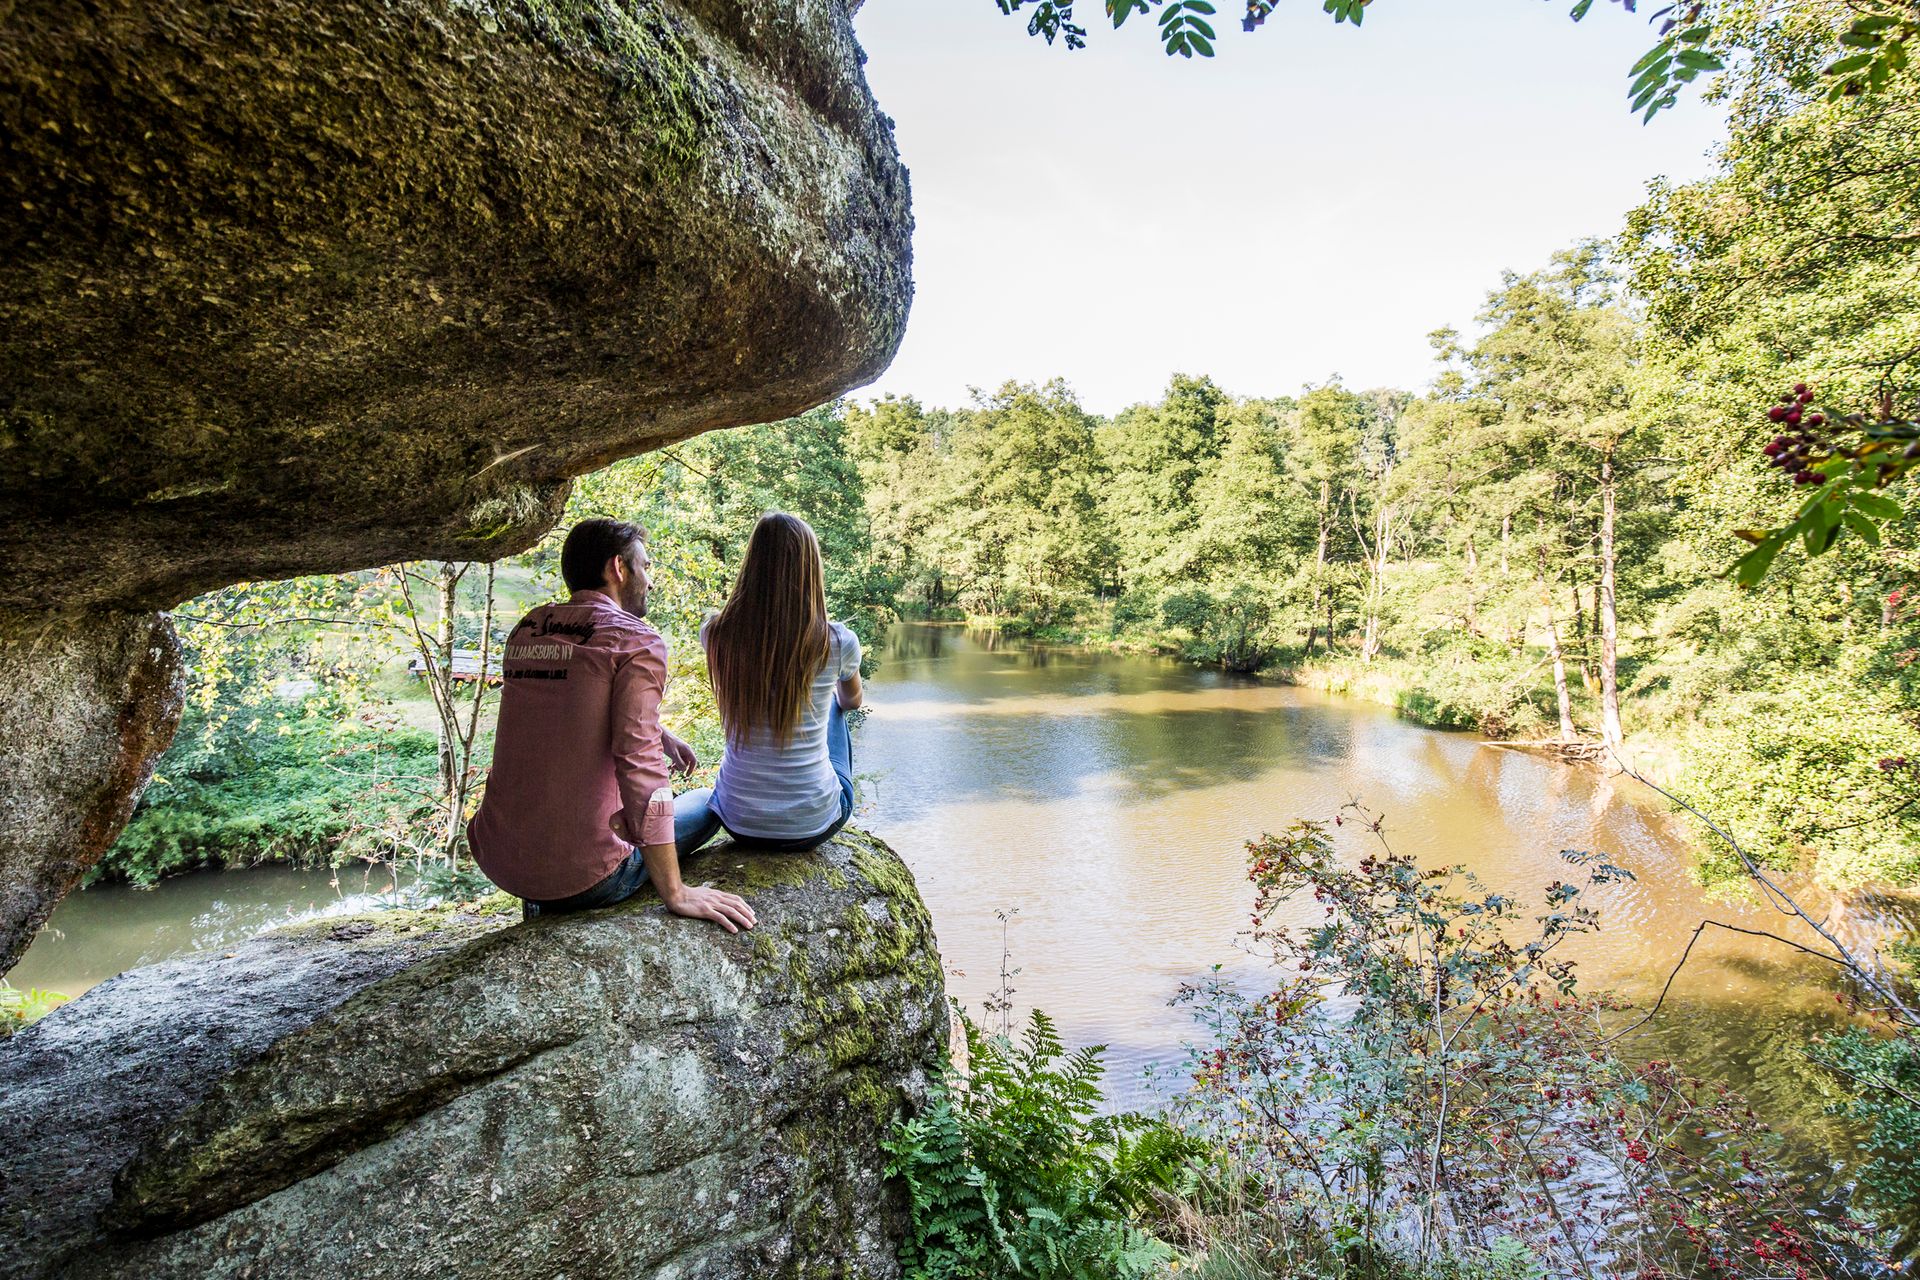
{"points": [[1105, 802]]}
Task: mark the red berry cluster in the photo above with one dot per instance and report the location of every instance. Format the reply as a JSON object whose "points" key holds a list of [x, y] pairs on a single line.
{"points": [[1793, 452]]}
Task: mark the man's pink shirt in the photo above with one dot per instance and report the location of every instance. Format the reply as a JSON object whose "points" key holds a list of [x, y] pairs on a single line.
{"points": [[579, 775]]}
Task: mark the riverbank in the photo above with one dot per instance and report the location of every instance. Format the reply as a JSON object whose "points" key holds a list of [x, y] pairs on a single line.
{"points": [[1746, 758], [1104, 801]]}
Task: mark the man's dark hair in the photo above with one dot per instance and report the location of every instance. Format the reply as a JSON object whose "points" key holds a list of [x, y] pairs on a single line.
{"points": [[589, 545]]}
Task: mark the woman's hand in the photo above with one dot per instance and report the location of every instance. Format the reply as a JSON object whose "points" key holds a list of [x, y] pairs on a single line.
{"points": [[704, 902], [679, 755]]}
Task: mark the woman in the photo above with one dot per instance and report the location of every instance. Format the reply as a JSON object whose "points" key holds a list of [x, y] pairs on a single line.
{"points": [[784, 677]]}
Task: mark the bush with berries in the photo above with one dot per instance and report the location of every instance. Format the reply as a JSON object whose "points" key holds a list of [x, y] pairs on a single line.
{"points": [[1851, 458], [1425, 1086]]}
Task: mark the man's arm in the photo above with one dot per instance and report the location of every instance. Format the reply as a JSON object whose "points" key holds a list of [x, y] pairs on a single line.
{"points": [[646, 800], [699, 901]]}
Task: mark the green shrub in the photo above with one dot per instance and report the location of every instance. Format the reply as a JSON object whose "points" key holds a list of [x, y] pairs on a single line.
{"points": [[1011, 1173], [1816, 765], [275, 787], [1882, 1076], [18, 1007], [1233, 629], [1424, 1092], [1464, 686]]}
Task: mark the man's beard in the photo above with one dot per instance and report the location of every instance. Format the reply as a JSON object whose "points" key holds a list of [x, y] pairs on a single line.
{"points": [[635, 602]]}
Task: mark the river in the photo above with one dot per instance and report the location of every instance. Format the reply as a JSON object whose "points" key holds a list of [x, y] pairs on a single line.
{"points": [[1104, 801]]}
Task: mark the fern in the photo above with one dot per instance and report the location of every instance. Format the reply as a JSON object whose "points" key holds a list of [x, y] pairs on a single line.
{"points": [[1011, 1172]]}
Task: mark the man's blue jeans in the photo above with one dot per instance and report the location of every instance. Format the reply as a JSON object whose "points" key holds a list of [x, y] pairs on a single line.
{"points": [[622, 883], [695, 822]]}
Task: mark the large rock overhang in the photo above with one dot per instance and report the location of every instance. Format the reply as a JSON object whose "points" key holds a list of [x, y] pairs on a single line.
{"points": [[298, 287]]}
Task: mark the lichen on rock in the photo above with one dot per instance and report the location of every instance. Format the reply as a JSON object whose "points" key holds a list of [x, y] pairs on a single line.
{"points": [[294, 287], [616, 1094], [85, 708]]}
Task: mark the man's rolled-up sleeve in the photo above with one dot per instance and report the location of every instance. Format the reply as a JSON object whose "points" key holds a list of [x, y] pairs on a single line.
{"points": [[639, 760]]}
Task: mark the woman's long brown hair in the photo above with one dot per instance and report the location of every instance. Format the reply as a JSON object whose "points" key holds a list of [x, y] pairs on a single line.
{"points": [[767, 645]]}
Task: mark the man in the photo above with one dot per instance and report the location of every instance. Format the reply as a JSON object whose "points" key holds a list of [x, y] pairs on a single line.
{"points": [[578, 812]]}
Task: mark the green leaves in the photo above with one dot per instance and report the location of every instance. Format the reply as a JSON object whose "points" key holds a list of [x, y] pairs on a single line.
{"points": [[1876, 45], [1881, 40], [1184, 29], [1848, 499], [1677, 59], [1011, 1172], [1051, 20]]}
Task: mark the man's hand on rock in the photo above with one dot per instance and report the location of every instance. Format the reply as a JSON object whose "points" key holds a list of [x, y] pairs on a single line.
{"points": [[704, 902]]}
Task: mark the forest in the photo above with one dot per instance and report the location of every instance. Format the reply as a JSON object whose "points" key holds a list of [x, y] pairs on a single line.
{"points": [[1636, 519], [1540, 544]]}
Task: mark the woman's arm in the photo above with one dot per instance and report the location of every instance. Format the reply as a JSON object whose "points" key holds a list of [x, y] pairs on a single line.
{"points": [[849, 694]]}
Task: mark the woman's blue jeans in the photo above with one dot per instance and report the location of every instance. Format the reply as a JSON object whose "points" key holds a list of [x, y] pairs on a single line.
{"points": [[695, 822]]}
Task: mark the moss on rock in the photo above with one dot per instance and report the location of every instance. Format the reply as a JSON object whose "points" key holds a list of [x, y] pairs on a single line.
{"points": [[620, 1093], [290, 287]]}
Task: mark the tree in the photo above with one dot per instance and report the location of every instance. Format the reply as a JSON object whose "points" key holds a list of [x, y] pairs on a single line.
{"points": [[1451, 452], [900, 449], [1025, 472], [802, 465], [1375, 505], [1328, 428], [1557, 358], [1154, 456], [1244, 544], [437, 637]]}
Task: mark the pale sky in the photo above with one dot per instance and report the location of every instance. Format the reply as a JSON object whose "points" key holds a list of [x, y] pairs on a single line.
{"points": [[1314, 200]]}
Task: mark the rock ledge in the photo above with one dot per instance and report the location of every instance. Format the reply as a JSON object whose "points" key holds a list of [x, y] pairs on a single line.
{"points": [[615, 1094]]}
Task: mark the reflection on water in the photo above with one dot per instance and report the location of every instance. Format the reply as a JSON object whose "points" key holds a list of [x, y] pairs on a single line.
{"points": [[109, 929], [1109, 798]]}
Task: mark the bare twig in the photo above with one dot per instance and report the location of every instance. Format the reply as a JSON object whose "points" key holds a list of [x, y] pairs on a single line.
{"points": [[1869, 1082], [1783, 902], [287, 620], [1688, 951]]}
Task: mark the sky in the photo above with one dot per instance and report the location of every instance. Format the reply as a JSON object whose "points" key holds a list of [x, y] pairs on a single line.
{"points": [[1312, 202]]}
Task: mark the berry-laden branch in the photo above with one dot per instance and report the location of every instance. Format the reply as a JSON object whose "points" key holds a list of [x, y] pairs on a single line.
{"points": [[1851, 457]]}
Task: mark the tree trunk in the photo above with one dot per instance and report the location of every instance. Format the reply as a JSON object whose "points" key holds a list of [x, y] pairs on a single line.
{"points": [[1609, 618], [1326, 518], [1377, 579], [1320, 564], [1567, 731], [1583, 643], [461, 782], [1473, 569], [449, 602]]}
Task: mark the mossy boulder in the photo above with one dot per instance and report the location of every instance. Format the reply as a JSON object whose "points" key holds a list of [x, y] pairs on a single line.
{"points": [[86, 707], [615, 1094], [296, 286], [311, 285]]}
